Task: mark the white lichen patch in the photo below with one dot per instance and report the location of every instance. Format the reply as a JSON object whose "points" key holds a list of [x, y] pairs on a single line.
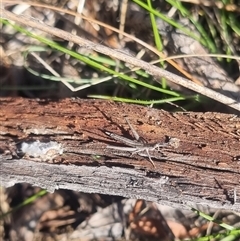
{"points": [[174, 142], [42, 150]]}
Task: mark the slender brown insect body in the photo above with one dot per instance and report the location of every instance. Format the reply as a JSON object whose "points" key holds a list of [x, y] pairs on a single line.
{"points": [[135, 146]]}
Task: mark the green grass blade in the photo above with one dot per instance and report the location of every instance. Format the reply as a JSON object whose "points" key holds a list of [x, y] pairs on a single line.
{"points": [[26, 202], [87, 60]]}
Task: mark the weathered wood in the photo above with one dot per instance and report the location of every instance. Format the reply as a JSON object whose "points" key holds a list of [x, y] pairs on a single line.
{"points": [[203, 169]]}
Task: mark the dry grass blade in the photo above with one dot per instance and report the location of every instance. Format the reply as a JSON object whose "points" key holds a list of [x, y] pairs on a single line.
{"points": [[153, 70]]}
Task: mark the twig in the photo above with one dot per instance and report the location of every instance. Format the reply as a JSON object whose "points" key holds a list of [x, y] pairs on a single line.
{"points": [[155, 71]]}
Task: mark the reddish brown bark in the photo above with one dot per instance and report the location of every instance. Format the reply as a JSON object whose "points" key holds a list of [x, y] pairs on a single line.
{"points": [[204, 168]]}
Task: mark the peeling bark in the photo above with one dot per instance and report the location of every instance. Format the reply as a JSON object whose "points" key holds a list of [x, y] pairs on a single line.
{"points": [[203, 169]]}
